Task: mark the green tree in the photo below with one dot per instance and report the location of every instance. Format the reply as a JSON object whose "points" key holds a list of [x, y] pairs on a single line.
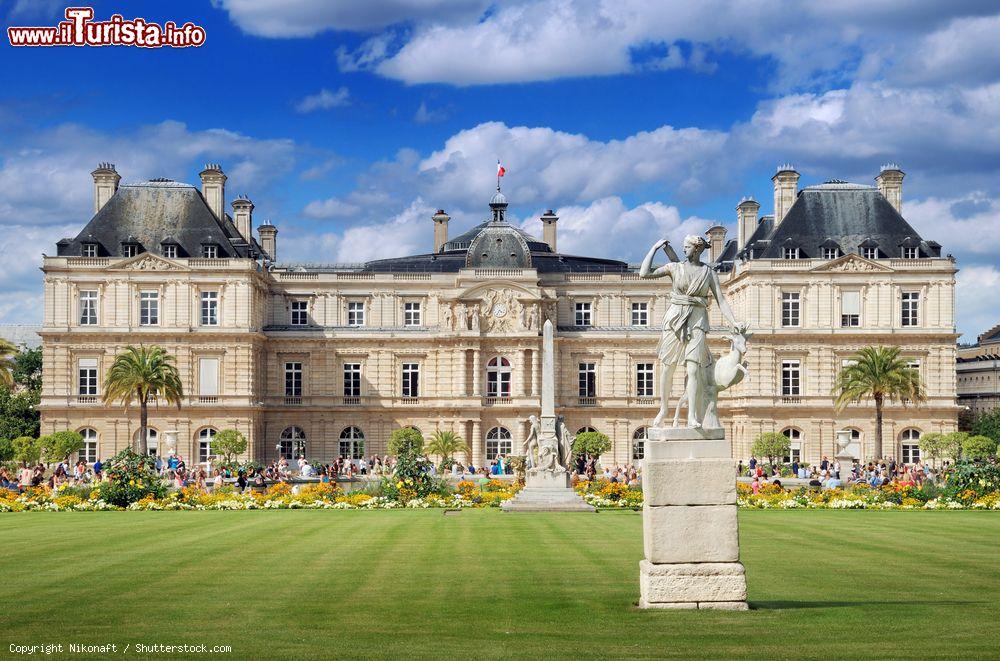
{"points": [[934, 445], [954, 442], [61, 445], [987, 424], [6, 450], [406, 441], [592, 443], [881, 374], [27, 449], [229, 444], [979, 448], [27, 370], [8, 357], [140, 373], [771, 444], [446, 444], [18, 412]]}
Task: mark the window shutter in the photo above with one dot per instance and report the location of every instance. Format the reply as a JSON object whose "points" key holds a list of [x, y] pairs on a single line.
{"points": [[209, 375]]}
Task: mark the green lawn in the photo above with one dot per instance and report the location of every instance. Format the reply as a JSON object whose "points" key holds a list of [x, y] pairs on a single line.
{"points": [[417, 584]]}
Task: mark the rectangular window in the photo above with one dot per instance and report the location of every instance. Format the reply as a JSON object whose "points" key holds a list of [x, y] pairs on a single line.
{"points": [[88, 453], [790, 308], [411, 379], [89, 250], [129, 250], [830, 253], [293, 379], [208, 377], [909, 253], [869, 253], [791, 385], [355, 313], [411, 314], [210, 251], [644, 380], [794, 453], [588, 380], [910, 308], [789, 253], [87, 384], [170, 251], [209, 308], [352, 379], [640, 314], [583, 314], [88, 307], [352, 449], [911, 453], [300, 313], [149, 308], [850, 309]]}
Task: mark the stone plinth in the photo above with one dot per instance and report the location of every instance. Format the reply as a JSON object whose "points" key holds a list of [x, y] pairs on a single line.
{"points": [[547, 491], [690, 531]]}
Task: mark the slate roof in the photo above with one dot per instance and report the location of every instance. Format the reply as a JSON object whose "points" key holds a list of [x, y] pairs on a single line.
{"points": [[156, 212], [849, 215]]}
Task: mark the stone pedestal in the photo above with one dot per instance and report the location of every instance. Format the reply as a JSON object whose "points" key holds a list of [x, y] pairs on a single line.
{"points": [[547, 491], [690, 532]]}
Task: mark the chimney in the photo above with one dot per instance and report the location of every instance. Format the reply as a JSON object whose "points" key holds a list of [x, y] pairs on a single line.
{"points": [[440, 229], [890, 184], [243, 216], [786, 181], [716, 241], [549, 220], [106, 180], [269, 239], [213, 189], [746, 220]]}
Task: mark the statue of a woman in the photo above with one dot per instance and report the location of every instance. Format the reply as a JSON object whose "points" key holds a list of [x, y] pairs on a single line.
{"points": [[685, 325]]}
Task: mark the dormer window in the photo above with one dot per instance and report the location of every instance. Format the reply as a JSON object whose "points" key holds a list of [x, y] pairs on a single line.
{"points": [[89, 250], [209, 251], [170, 251], [910, 253], [790, 253], [831, 253], [129, 250], [869, 252]]}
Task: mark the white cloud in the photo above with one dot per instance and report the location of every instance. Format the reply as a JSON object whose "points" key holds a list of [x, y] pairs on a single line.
{"points": [[963, 51], [966, 223], [330, 208], [975, 299], [324, 100], [407, 233], [425, 115], [306, 18]]}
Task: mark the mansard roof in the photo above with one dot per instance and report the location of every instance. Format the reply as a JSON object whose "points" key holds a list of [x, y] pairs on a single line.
{"points": [[156, 212], [849, 215]]}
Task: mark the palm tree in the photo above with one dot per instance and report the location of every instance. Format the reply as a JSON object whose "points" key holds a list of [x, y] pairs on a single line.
{"points": [[8, 352], [445, 444], [140, 373], [879, 373]]}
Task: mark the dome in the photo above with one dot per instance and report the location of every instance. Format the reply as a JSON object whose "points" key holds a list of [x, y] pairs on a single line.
{"points": [[498, 199], [499, 245]]}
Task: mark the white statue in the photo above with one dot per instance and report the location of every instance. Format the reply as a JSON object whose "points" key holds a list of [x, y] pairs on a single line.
{"points": [[447, 318], [684, 340], [530, 445]]}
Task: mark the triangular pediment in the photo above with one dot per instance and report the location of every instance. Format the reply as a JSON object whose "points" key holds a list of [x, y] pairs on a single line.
{"points": [[148, 262], [851, 263]]}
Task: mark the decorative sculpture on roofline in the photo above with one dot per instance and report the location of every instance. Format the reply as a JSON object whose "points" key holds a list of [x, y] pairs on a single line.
{"points": [[684, 341]]}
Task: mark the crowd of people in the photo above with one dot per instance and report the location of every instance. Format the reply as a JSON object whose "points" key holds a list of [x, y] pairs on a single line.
{"points": [[28, 476], [831, 474]]}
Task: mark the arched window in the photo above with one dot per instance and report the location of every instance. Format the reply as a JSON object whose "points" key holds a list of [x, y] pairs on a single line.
{"points": [[498, 377], [582, 430], [352, 443], [498, 442], [910, 445], [639, 443], [292, 443], [795, 449], [89, 451], [205, 437], [152, 440]]}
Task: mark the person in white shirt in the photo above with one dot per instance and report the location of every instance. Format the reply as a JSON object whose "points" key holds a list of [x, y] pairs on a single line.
{"points": [[218, 480]]}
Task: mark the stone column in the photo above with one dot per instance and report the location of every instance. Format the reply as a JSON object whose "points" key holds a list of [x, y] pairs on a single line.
{"points": [[690, 531], [476, 442], [477, 381]]}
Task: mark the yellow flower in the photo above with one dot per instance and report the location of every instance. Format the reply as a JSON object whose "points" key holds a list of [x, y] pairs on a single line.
{"points": [[399, 485]]}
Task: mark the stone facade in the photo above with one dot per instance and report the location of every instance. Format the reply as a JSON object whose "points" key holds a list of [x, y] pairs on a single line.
{"points": [[336, 358], [978, 374]]}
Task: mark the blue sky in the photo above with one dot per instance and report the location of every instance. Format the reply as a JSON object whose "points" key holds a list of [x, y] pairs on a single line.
{"points": [[348, 123]]}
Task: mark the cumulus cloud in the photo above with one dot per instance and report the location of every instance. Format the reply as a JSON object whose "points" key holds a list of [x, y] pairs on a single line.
{"points": [[976, 312], [330, 208], [963, 51], [967, 223], [324, 100]]}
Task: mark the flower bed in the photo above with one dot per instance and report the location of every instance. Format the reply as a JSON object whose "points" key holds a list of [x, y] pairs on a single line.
{"points": [[861, 497]]}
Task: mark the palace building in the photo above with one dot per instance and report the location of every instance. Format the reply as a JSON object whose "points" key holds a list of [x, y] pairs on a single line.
{"points": [[327, 361], [978, 374]]}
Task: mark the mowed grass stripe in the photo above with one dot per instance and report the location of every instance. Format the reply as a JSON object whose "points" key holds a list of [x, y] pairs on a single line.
{"points": [[417, 584]]}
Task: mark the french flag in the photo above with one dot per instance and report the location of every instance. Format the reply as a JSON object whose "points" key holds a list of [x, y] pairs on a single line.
{"points": [[501, 170]]}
